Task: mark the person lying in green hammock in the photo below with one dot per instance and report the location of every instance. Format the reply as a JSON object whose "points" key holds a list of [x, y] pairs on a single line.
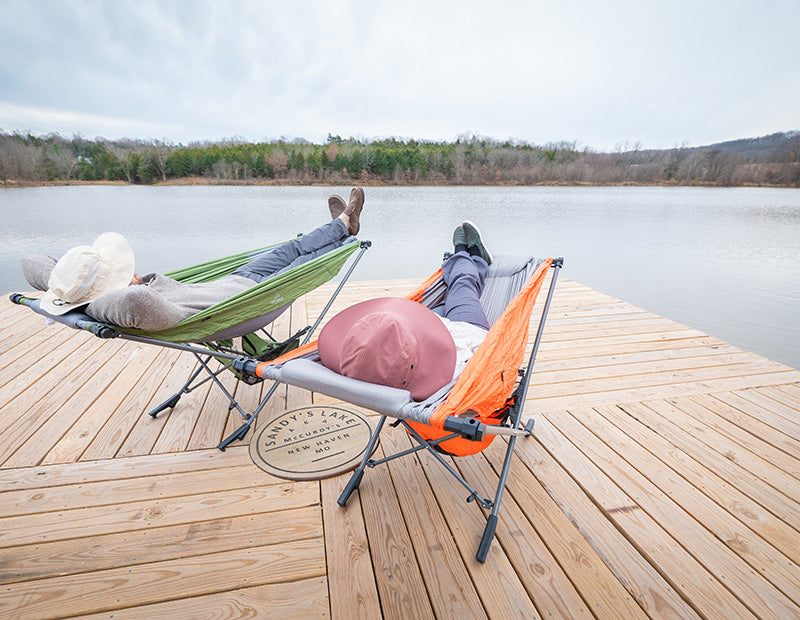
{"points": [[102, 276]]}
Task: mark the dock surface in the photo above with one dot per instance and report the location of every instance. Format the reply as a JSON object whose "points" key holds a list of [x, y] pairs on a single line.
{"points": [[662, 480]]}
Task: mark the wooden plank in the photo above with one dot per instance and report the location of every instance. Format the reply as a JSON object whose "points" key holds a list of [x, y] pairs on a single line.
{"points": [[85, 555], [400, 584], [121, 468], [28, 351], [33, 451], [22, 417], [116, 588], [726, 495], [208, 430], [669, 376], [103, 493], [146, 430], [710, 411], [501, 591], [775, 413], [735, 453], [566, 516], [667, 420], [790, 392], [535, 403], [37, 361], [763, 558], [683, 571], [86, 425], [180, 422], [754, 418], [626, 371], [449, 586], [130, 516], [108, 441], [561, 351], [546, 582], [307, 598], [353, 591], [17, 337], [623, 358], [629, 327]]}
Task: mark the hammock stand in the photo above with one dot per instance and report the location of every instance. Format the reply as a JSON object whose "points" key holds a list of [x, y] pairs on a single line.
{"points": [[208, 334], [463, 417]]}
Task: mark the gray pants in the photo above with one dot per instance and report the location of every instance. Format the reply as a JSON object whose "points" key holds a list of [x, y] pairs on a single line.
{"points": [[464, 276], [295, 252]]}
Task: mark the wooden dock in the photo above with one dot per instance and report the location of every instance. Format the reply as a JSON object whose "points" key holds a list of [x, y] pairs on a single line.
{"points": [[662, 481]]}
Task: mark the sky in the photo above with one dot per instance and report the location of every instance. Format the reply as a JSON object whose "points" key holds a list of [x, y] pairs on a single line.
{"points": [[605, 75]]}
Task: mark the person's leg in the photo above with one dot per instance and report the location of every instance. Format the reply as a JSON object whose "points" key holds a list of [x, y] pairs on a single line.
{"points": [[464, 276], [295, 252]]}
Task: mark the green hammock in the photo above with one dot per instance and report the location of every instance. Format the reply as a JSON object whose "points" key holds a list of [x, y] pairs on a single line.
{"points": [[244, 312], [256, 301]]}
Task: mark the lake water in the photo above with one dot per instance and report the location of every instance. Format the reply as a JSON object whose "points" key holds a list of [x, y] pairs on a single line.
{"points": [[725, 261]]}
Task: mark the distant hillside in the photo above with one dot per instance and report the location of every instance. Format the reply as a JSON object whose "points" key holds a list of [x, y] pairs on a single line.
{"points": [[774, 147], [772, 160]]}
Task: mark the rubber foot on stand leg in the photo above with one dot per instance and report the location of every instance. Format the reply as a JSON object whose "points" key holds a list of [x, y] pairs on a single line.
{"points": [[352, 485], [486, 539], [167, 404]]}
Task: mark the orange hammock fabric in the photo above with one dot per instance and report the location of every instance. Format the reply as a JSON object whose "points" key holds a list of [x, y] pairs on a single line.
{"points": [[489, 378]]}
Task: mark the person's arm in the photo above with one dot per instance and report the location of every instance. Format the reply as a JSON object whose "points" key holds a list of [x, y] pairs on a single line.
{"points": [[136, 306]]}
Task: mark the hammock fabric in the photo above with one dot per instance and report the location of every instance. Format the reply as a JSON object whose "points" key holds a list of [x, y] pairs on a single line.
{"points": [[256, 301], [484, 387]]}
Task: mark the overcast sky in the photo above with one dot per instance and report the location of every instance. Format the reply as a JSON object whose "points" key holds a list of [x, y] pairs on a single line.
{"points": [[598, 73]]}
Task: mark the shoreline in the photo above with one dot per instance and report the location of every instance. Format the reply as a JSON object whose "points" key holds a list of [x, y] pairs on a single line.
{"points": [[199, 181]]}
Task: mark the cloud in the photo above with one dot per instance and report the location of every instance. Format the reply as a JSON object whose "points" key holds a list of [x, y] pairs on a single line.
{"points": [[598, 73]]}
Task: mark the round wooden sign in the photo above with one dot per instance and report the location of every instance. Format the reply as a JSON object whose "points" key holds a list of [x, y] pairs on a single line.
{"points": [[311, 443]]}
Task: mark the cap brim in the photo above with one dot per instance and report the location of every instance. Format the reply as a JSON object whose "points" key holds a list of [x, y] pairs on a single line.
{"points": [[52, 305]]}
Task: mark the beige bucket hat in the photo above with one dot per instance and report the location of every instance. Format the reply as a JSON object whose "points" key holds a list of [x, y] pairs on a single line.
{"points": [[86, 272]]}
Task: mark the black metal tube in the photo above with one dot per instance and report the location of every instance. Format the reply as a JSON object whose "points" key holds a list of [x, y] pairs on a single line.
{"points": [[557, 265], [518, 406], [365, 245]]}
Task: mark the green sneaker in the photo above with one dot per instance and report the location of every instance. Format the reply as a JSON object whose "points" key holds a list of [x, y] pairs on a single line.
{"points": [[475, 243], [459, 236]]}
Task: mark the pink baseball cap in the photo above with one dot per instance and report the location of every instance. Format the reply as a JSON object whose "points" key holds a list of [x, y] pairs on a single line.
{"points": [[390, 341]]}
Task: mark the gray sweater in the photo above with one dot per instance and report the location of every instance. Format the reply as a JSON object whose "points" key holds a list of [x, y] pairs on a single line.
{"points": [[158, 304]]}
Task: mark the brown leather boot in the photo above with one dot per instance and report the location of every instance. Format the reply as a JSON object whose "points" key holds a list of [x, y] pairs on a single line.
{"points": [[353, 210], [336, 205]]}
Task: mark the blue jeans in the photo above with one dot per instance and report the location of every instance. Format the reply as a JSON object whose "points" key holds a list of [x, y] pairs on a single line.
{"points": [[464, 276], [281, 258]]}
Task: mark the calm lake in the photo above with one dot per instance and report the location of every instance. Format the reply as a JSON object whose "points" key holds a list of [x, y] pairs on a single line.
{"points": [[725, 261]]}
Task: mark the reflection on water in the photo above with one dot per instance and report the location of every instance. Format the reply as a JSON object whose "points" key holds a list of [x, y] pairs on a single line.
{"points": [[726, 261]]}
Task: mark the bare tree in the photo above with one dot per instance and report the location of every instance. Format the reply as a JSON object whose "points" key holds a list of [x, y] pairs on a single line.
{"points": [[127, 161], [160, 151]]}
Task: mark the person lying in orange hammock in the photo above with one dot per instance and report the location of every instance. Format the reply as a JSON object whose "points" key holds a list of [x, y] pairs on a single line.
{"points": [[401, 343]]}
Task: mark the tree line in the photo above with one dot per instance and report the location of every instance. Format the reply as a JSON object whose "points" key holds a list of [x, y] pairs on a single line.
{"points": [[470, 160]]}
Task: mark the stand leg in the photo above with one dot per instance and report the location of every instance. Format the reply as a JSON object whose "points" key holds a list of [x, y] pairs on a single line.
{"points": [[241, 432], [355, 479]]}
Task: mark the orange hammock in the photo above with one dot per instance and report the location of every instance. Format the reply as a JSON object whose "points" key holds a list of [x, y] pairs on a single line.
{"points": [[461, 419], [483, 389]]}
